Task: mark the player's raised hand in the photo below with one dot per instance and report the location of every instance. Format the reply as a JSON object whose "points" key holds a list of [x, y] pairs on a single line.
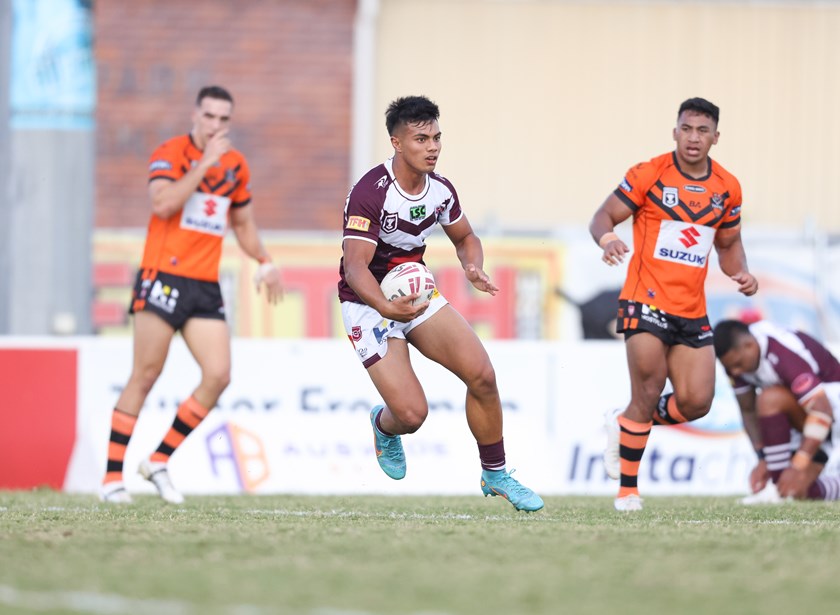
{"points": [[217, 146], [747, 284], [480, 280]]}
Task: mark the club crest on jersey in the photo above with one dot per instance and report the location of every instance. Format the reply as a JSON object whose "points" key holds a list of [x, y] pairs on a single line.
{"points": [[717, 201], [389, 223], [670, 196], [230, 176], [417, 213]]}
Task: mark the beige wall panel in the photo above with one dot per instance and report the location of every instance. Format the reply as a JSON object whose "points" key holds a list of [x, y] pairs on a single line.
{"points": [[545, 104]]}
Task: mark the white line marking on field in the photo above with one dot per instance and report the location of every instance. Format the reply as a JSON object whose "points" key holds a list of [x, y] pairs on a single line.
{"points": [[281, 512], [93, 602]]}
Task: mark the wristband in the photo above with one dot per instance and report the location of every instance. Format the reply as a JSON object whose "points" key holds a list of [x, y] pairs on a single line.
{"points": [[606, 238], [759, 452], [817, 425], [801, 460]]}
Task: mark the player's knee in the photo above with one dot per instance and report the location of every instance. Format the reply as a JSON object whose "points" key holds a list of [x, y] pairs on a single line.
{"points": [[694, 408], [144, 378], [773, 400], [217, 379], [413, 419], [483, 382]]}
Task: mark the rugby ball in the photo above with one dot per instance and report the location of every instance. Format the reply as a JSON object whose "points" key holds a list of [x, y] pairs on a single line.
{"points": [[408, 279]]}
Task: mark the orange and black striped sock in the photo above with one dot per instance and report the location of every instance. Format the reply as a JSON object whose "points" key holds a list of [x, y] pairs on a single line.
{"points": [[667, 412], [190, 414], [122, 426], [632, 441]]}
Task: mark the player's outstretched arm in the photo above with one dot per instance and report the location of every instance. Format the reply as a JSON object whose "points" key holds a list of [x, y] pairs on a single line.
{"points": [[733, 260], [759, 474], [471, 254], [247, 235]]}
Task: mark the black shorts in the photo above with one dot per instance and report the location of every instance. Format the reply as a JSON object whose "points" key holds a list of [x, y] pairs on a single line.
{"points": [[635, 317], [176, 299]]}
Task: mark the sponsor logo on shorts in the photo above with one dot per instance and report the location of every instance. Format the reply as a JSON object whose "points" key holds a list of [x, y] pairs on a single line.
{"points": [[649, 315], [356, 333], [358, 223], [164, 296]]}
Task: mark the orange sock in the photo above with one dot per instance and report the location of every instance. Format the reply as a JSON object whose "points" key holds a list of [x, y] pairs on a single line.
{"points": [[190, 414], [632, 441], [667, 412], [122, 426]]}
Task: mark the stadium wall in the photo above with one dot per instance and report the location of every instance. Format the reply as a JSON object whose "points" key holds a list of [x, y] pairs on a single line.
{"points": [[288, 65], [546, 104], [295, 420]]}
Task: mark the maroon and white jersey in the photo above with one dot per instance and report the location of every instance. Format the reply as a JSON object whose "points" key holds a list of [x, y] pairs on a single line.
{"points": [[789, 358], [378, 211]]}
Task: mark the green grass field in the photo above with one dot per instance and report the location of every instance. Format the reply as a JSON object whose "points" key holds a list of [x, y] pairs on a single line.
{"points": [[250, 555]]}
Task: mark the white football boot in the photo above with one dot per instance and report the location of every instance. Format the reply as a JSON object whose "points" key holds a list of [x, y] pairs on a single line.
{"points": [[157, 474], [114, 493], [629, 503]]}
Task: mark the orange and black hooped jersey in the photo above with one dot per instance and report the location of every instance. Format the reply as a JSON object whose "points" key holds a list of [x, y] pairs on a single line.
{"points": [[675, 220], [189, 243]]}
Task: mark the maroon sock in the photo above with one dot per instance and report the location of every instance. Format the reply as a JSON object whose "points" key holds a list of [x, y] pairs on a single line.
{"points": [[775, 431], [379, 425], [825, 488], [492, 456]]}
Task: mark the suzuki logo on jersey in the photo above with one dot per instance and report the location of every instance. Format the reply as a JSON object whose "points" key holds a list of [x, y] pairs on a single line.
{"points": [[684, 243], [205, 213], [689, 237]]}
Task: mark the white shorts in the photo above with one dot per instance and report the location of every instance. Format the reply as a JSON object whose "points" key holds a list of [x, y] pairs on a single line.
{"points": [[369, 332]]}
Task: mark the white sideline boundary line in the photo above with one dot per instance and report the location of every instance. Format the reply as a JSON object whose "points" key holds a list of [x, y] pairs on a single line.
{"points": [[94, 602]]}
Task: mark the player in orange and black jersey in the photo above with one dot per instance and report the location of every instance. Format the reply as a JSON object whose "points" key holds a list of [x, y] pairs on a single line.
{"points": [[682, 204], [198, 184]]}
